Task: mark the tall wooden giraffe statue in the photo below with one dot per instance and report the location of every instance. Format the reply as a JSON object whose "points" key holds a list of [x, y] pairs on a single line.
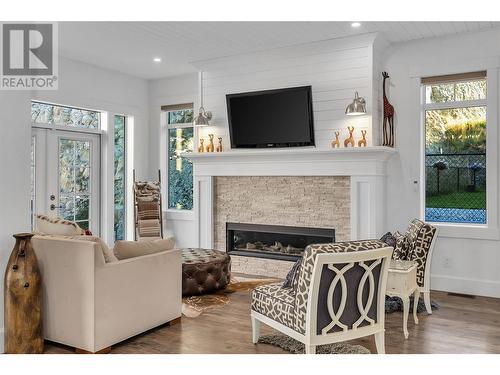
{"points": [[388, 124]]}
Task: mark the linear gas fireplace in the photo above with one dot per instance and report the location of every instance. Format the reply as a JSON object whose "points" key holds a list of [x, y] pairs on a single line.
{"points": [[273, 241]]}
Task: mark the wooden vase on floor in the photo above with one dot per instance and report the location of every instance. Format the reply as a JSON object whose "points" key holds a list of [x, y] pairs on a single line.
{"points": [[23, 299]]}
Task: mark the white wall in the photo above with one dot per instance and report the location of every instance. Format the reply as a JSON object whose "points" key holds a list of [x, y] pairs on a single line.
{"points": [[334, 68], [461, 265], [170, 91], [79, 85]]}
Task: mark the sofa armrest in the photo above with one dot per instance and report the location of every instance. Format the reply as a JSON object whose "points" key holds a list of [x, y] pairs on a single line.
{"points": [[136, 294], [67, 268]]}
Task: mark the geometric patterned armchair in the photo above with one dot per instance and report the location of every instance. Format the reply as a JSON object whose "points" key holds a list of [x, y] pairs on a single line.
{"points": [[338, 294], [417, 244]]}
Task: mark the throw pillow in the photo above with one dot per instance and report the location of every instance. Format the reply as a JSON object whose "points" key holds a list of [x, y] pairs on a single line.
{"points": [[389, 239], [292, 275], [402, 246], [47, 225], [132, 249]]}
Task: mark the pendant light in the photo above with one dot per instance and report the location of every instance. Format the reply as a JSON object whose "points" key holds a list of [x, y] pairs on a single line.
{"points": [[203, 117]]}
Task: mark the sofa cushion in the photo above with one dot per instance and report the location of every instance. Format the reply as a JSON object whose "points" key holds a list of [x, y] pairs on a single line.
{"points": [[47, 225], [132, 249], [275, 302]]}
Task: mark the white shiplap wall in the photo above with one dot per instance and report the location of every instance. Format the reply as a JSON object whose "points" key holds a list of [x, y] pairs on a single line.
{"points": [[334, 68]]}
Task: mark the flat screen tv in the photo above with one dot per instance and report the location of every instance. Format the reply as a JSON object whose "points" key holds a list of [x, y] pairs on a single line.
{"points": [[271, 118]]}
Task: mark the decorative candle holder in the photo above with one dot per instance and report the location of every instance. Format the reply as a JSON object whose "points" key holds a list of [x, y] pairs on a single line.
{"points": [[350, 140], [201, 147], [219, 147], [336, 143]]}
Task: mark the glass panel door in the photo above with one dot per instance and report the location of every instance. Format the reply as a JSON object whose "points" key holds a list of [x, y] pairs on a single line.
{"points": [[71, 180]]}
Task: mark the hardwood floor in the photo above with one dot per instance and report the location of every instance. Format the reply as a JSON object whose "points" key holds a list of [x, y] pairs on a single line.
{"points": [[461, 325]]}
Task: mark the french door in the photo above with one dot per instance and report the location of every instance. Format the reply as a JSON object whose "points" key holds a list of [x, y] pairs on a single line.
{"points": [[67, 176]]}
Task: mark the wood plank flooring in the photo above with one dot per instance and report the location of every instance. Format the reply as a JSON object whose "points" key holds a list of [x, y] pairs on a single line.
{"points": [[461, 325]]}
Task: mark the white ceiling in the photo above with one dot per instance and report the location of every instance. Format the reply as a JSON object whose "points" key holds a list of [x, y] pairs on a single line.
{"points": [[129, 47]]}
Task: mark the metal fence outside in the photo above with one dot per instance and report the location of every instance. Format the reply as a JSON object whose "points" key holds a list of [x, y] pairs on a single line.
{"points": [[456, 187]]}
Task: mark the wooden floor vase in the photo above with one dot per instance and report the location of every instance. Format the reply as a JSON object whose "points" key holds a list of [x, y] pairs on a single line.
{"points": [[23, 299]]}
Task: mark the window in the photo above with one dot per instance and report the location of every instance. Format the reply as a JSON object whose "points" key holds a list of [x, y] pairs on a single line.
{"points": [[180, 171], [455, 148], [119, 177], [33, 182], [50, 114]]}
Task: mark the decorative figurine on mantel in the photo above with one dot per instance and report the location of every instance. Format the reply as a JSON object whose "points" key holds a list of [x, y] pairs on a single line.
{"points": [[362, 142], [201, 147], [210, 146], [388, 117], [219, 147], [350, 140], [336, 143]]}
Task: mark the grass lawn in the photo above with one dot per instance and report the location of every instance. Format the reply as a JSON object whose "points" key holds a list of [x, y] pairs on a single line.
{"points": [[475, 200]]}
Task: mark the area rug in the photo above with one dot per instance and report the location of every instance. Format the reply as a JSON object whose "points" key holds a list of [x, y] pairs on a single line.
{"points": [[295, 347], [194, 306], [393, 304]]}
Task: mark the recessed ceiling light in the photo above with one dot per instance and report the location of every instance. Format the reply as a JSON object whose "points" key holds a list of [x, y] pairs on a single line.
{"points": [[355, 24], [157, 59]]}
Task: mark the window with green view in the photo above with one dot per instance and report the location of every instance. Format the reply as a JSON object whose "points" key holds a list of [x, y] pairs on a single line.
{"points": [[180, 170], [119, 177], [455, 149]]}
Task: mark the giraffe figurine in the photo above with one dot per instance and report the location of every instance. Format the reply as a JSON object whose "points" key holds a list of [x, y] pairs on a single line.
{"points": [[350, 140], [388, 124], [362, 142], [219, 147], [336, 142], [210, 146], [201, 147]]}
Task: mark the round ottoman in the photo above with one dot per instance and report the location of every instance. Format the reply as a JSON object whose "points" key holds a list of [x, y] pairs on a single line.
{"points": [[204, 271]]}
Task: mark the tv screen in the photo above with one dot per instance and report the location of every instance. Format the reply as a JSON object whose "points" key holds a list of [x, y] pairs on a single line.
{"points": [[272, 118]]}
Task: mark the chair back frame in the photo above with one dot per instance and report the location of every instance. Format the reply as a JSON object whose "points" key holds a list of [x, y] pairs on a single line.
{"points": [[378, 256]]}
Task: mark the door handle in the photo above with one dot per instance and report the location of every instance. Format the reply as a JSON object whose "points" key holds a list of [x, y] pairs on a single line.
{"points": [[52, 197], [53, 207]]}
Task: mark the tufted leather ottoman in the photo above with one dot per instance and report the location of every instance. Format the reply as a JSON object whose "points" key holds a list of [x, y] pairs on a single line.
{"points": [[204, 271]]}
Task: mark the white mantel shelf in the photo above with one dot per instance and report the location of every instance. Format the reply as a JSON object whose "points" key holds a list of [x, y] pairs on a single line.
{"points": [[293, 162]]}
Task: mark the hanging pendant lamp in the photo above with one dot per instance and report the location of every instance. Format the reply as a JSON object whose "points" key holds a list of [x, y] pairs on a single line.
{"points": [[203, 117]]}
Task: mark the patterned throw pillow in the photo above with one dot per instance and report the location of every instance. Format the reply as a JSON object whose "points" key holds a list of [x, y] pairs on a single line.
{"points": [[54, 226], [402, 246], [389, 239], [291, 277]]}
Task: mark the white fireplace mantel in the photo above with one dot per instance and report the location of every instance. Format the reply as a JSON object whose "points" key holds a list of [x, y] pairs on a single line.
{"points": [[366, 161], [365, 166]]}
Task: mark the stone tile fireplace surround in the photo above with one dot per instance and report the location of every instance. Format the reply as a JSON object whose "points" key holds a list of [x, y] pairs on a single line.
{"points": [[342, 189], [302, 201]]}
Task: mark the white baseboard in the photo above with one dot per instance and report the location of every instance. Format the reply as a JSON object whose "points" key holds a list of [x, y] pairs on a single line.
{"points": [[477, 287], [1, 340]]}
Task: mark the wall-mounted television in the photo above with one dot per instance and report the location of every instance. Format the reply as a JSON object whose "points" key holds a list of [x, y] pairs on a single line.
{"points": [[271, 118]]}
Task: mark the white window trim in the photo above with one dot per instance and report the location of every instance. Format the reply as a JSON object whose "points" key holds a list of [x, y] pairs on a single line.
{"points": [[171, 213], [490, 231]]}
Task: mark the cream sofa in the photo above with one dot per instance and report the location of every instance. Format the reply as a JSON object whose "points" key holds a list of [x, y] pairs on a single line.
{"points": [[90, 305]]}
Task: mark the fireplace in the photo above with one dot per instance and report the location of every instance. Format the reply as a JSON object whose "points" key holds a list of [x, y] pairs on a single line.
{"points": [[273, 241]]}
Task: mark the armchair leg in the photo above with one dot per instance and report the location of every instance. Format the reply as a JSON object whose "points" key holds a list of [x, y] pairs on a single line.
{"points": [[380, 342], [255, 330], [310, 349], [427, 300]]}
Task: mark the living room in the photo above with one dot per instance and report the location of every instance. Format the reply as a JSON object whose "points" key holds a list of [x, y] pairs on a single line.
{"points": [[286, 185]]}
